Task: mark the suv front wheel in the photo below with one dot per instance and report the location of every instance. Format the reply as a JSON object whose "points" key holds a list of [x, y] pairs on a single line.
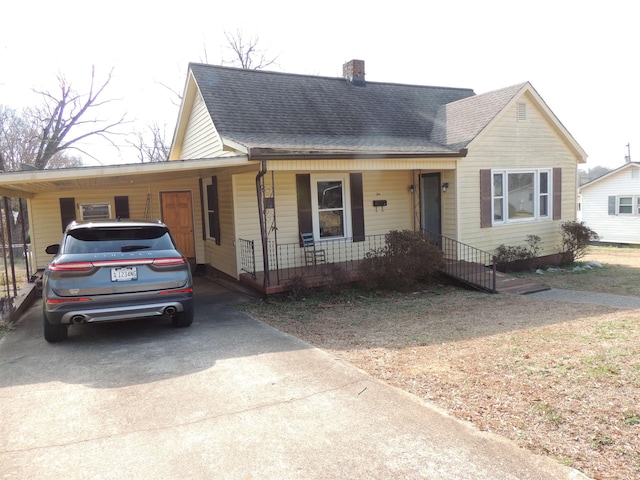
{"points": [[55, 333]]}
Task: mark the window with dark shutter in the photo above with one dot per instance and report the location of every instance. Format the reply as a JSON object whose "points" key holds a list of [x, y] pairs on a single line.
{"points": [[303, 194], [357, 207], [485, 198], [557, 193], [202, 209], [67, 211], [213, 210], [122, 207]]}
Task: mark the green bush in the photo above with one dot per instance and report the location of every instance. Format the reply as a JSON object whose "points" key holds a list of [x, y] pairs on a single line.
{"points": [[407, 259], [576, 237]]}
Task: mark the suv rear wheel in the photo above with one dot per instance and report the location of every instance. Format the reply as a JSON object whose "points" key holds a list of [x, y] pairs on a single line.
{"points": [[54, 333], [182, 319]]}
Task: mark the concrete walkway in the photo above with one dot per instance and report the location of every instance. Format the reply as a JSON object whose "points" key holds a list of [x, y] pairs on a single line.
{"points": [[228, 398], [574, 296]]}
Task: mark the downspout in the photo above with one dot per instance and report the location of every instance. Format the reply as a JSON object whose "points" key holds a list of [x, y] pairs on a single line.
{"points": [[263, 229]]}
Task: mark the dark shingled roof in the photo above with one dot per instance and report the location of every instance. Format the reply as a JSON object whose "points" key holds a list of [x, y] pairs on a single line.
{"points": [[282, 111]]}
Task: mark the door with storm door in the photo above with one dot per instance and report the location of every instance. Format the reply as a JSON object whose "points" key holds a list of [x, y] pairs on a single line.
{"points": [[430, 205]]}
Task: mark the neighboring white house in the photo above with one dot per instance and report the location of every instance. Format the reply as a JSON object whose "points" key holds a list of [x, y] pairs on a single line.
{"points": [[610, 205]]}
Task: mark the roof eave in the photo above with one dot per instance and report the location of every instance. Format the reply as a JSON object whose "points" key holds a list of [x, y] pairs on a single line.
{"points": [[256, 153]]}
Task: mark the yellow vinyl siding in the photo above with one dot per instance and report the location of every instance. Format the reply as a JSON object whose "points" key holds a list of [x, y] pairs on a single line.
{"points": [[201, 140], [510, 144], [223, 257], [45, 209]]}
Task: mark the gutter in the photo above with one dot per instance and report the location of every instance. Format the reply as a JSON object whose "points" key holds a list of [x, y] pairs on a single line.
{"points": [[269, 153]]}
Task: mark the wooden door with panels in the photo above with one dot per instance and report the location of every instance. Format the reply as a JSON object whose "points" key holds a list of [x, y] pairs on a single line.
{"points": [[177, 214]]}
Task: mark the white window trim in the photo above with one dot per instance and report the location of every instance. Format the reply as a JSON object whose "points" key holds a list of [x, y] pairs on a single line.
{"points": [[95, 204], [635, 202], [537, 217], [346, 198]]}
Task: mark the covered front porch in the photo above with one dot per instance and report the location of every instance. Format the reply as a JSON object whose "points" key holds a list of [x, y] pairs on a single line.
{"points": [[289, 263]]}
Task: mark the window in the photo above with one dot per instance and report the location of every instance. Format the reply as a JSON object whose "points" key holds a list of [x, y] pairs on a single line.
{"points": [[95, 211], [330, 206], [352, 211], [625, 205], [521, 195]]}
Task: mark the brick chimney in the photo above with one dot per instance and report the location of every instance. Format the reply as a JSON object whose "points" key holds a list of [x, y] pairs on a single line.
{"points": [[353, 71]]}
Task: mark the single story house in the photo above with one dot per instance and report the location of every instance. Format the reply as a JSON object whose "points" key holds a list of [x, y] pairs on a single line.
{"points": [[260, 158], [610, 205]]}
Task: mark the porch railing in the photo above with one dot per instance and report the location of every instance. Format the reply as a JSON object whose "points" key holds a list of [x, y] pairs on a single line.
{"points": [[247, 257], [465, 263], [470, 265]]}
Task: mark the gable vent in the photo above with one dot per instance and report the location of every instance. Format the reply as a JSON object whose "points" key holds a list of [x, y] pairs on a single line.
{"points": [[521, 112]]}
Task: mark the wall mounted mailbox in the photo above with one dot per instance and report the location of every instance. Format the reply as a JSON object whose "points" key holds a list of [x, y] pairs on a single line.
{"points": [[379, 203]]}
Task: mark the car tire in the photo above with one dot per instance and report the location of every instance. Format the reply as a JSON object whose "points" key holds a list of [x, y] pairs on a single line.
{"points": [[55, 333], [182, 319]]}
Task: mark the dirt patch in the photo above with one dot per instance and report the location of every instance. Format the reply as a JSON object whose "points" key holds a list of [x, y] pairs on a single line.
{"points": [[558, 378]]}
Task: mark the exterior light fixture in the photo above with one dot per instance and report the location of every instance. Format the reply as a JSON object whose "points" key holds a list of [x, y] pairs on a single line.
{"points": [[445, 186]]}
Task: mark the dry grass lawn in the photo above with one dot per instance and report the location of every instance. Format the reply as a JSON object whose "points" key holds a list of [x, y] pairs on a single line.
{"points": [[558, 378]]}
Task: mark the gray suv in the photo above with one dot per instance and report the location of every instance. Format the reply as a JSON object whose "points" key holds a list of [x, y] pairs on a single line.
{"points": [[107, 271]]}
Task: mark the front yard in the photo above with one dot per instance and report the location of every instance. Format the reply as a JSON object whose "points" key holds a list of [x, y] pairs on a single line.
{"points": [[558, 378]]}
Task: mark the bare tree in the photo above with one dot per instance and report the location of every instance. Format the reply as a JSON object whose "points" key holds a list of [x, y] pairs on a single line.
{"points": [[151, 147], [68, 112], [246, 53], [20, 142]]}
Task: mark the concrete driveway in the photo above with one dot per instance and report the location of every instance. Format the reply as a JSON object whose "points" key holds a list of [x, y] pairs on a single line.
{"points": [[228, 397]]}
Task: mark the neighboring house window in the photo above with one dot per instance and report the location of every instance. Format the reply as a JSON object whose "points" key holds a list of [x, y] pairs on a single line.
{"points": [[95, 211], [330, 201], [521, 195], [212, 212], [331, 205], [624, 205]]}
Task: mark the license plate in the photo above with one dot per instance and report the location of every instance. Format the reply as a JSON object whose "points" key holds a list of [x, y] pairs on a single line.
{"points": [[124, 274]]}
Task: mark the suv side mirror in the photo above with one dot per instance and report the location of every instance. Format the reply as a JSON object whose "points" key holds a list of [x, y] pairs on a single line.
{"points": [[52, 249]]}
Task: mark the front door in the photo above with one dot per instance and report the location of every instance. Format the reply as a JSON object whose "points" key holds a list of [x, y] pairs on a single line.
{"points": [[430, 204], [177, 213]]}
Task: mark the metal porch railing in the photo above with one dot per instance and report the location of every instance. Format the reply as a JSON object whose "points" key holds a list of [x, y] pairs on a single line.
{"points": [[465, 263]]}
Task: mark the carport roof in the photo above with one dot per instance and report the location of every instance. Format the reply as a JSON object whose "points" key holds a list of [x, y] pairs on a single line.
{"points": [[27, 184]]}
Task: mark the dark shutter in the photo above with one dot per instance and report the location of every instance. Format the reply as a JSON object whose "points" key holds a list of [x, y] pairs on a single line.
{"points": [[214, 213], [303, 193], [202, 207], [557, 193], [122, 207], [612, 205], [67, 211], [357, 207], [485, 198]]}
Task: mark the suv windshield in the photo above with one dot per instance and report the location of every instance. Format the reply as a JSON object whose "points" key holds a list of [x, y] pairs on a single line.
{"points": [[114, 239]]}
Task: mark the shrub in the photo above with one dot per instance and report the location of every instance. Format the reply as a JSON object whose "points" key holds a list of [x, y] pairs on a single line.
{"points": [[519, 254], [298, 288], [408, 258], [336, 279], [576, 237]]}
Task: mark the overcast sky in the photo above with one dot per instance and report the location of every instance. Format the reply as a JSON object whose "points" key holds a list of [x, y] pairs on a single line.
{"points": [[582, 57]]}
